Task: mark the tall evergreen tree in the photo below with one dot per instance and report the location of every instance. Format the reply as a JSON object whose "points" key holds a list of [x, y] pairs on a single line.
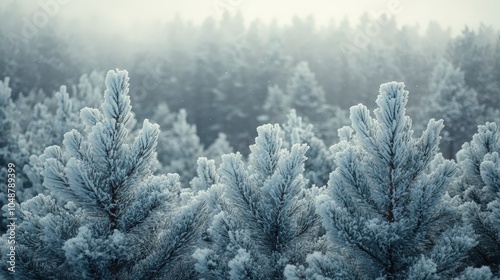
{"points": [[11, 141], [276, 106], [319, 161], [12, 145], [306, 96], [164, 117], [474, 52], [391, 218], [88, 91], [180, 147], [218, 148], [46, 129], [456, 104], [206, 174], [267, 216], [5, 121], [479, 162], [107, 216]]}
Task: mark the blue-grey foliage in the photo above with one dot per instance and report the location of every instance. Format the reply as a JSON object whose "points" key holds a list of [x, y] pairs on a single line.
{"points": [[218, 148], [12, 146], [107, 215], [319, 161], [206, 174], [479, 162], [267, 217], [391, 217], [304, 95], [180, 148], [456, 104]]}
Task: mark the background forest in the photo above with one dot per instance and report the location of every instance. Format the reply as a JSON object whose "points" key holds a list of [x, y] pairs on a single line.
{"points": [[238, 151]]}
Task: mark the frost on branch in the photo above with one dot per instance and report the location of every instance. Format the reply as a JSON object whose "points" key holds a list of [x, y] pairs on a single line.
{"points": [[267, 217], [383, 205], [111, 217]]}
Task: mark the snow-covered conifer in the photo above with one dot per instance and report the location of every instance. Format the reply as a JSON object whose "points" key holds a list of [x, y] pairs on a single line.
{"points": [[218, 148], [46, 129], [456, 104], [109, 216], [391, 218], [319, 161], [276, 106], [5, 122], [164, 117], [206, 174], [88, 91], [306, 96], [12, 145], [40, 237], [480, 166], [179, 148], [267, 218]]}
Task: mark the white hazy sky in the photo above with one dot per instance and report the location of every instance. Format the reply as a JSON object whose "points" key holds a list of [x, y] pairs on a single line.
{"points": [[453, 13]]}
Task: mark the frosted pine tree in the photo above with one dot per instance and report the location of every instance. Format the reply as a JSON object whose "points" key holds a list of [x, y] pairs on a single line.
{"points": [[179, 148], [164, 117], [47, 129], [218, 148], [391, 218], [320, 161], [456, 104], [276, 106], [110, 218], [480, 166], [12, 145], [88, 91], [267, 218], [5, 122], [206, 172], [12, 142], [43, 226], [307, 97]]}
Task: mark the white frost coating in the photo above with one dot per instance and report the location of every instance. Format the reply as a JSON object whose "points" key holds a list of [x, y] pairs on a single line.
{"points": [[179, 148], [479, 161], [116, 100], [124, 222], [240, 266], [267, 216], [90, 116], [385, 203]]}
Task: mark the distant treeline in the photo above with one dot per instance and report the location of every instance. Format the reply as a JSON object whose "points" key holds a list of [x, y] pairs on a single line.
{"points": [[221, 71]]}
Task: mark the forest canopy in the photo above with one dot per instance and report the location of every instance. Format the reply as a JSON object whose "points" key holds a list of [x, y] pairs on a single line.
{"points": [[229, 150]]}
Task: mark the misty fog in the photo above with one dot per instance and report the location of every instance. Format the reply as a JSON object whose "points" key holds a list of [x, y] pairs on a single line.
{"points": [[309, 107]]}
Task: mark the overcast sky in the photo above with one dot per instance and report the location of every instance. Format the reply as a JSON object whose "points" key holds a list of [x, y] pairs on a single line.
{"points": [[453, 13]]}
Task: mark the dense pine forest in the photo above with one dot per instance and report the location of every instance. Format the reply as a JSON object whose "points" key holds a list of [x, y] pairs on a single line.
{"points": [[228, 150]]}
